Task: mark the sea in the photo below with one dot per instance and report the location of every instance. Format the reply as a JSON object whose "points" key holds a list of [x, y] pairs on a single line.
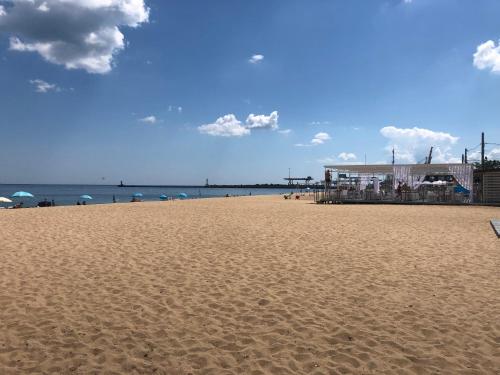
{"points": [[65, 195]]}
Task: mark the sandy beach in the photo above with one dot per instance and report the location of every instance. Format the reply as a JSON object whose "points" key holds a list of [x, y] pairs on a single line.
{"points": [[250, 285]]}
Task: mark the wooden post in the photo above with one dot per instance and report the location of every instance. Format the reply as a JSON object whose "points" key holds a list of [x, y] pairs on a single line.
{"points": [[482, 151]]}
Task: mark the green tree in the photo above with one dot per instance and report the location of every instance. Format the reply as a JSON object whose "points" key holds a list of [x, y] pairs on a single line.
{"points": [[488, 164]]}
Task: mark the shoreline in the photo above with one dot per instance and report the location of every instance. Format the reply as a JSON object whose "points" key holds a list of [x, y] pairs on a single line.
{"points": [[91, 204]]}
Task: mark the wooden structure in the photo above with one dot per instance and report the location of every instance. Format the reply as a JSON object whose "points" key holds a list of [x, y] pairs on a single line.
{"points": [[398, 183], [491, 186]]}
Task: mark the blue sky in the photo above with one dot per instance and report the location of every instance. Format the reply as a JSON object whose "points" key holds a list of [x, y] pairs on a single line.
{"points": [[162, 92]]}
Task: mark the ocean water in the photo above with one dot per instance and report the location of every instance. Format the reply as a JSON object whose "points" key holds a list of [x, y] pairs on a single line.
{"points": [[64, 195]]}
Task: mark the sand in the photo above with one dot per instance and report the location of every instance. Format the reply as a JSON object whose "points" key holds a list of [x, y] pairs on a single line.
{"points": [[251, 285]]}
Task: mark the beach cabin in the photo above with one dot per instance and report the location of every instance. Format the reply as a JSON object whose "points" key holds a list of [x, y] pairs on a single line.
{"points": [[398, 183]]}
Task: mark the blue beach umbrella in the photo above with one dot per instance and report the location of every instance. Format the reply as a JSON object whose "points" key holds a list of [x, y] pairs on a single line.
{"points": [[163, 197], [137, 195], [22, 194], [85, 196], [182, 195]]}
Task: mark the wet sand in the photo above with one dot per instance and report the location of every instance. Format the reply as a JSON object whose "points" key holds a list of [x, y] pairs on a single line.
{"points": [[250, 285]]}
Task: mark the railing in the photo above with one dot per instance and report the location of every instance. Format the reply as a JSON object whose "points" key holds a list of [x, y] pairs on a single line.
{"points": [[415, 196]]}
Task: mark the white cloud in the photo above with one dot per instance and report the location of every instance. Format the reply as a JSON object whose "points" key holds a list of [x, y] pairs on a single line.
{"points": [[412, 145], [320, 138], [43, 7], [2, 11], [347, 156], [315, 123], [487, 56], [230, 126], [79, 34], [285, 131], [171, 108], [44, 87], [415, 133], [226, 126], [335, 160], [327, 160], [149, 120], [263, 121], [255, 59], [493, 154]]}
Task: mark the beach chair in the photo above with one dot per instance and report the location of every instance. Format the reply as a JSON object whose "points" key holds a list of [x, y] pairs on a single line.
{"points": [[495, 224]]}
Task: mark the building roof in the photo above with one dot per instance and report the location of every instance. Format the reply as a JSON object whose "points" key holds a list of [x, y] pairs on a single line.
{"points": [[389, 168]]}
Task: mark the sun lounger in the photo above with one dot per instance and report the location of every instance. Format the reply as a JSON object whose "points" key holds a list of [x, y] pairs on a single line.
{"points": [[495, 224]]}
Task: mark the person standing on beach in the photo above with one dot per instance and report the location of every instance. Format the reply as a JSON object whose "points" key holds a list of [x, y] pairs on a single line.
{"points": [[398, 190], [328, 177]]}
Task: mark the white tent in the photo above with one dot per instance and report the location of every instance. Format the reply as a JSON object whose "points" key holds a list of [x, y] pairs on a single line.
{"points": [[412, 175]]}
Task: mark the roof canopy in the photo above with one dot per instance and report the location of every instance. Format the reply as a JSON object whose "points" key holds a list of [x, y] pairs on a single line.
{"points": [[419, 169]]}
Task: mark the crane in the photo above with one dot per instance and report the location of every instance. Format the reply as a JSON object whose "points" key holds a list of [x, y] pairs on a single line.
{"points": [[428, 159]]}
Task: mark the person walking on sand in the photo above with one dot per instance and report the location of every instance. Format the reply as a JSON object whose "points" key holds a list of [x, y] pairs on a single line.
{"points": [[398, 190]]}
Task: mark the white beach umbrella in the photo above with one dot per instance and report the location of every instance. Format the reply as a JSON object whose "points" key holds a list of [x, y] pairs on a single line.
{"points": [[5, 200]]}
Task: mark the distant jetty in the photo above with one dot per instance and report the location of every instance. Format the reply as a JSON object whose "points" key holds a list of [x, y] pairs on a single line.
{"points": [[241, 186]]}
